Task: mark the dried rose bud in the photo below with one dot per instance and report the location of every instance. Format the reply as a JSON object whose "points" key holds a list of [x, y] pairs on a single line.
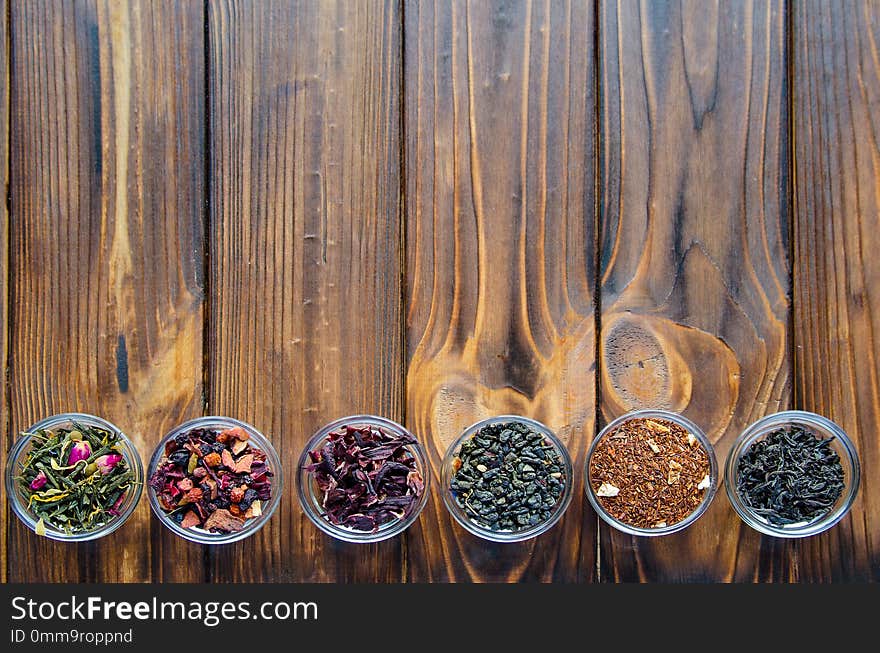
{"points": [[39, 481], [79, 451], [107, 462]]}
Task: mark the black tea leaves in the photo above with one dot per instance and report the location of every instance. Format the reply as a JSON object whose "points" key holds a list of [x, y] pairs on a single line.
{"points": [[790, 477]]}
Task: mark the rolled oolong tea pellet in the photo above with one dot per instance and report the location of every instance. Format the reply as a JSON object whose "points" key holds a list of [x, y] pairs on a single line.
{"points": [[508, 477], [649, 473], [790, 477]]}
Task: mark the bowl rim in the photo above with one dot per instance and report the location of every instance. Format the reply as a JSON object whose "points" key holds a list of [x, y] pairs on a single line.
{"points": [[130, 451], [251, 527], [388, 531], [762, 427], [693, 429], [506, 537]]}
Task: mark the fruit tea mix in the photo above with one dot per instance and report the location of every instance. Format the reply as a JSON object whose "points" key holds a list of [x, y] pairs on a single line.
{"points": [[649, 473], [75, 479], [791, 476], [212, 479], [367, 477], [508, 477]]}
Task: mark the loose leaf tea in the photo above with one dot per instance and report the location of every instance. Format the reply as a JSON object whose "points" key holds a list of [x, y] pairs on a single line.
{"points": [[367, 476], [790, 476], [649, 473], [508, 477], [74, 479], [213, 480]]}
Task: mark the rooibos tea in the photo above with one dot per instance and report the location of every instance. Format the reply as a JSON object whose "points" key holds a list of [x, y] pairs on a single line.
{"points": [[649, 473]]}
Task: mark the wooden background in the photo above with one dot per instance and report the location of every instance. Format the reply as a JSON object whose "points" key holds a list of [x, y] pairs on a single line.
{"points": [[437, 211]]}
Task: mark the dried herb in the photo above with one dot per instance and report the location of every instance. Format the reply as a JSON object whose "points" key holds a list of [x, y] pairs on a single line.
{"points": [[74, 479], [368, 477], [791, 476], [212, 480], [649, 473], [508, 477]]}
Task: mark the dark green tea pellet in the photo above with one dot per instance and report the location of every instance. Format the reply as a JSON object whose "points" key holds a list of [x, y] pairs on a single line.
{"points": [[508, 477]]}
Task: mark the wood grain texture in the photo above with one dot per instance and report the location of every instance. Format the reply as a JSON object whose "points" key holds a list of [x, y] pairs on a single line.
{"points": [[106, 248], [837, 273], [306, 238], [5, 513], [694, 250], [500, 114]]}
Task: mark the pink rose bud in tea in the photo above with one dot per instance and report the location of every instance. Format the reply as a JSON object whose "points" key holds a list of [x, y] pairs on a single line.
{"points": [[39, 481], [79, 451], [107, 462]]}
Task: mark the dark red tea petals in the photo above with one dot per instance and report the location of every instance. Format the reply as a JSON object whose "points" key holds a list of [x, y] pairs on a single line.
{"points": [[367, 477]]}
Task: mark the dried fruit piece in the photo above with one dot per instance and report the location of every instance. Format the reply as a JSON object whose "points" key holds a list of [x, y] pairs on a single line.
{"points": [[216, 483], [243, 466], [607, 490], [213, 459], [223, 521], [190, 519]]}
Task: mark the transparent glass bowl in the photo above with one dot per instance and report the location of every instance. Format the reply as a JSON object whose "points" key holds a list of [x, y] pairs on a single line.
{"points": [[65, 420], [686, 424], [252, 525], [821, 426], [310, 494], [447, 472]]}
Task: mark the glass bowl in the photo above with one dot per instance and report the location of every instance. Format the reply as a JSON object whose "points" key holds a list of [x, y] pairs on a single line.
{"points": [[66, 420], [447, 471], [310, 493], [691, 428], [252, 525], [821, 426]]}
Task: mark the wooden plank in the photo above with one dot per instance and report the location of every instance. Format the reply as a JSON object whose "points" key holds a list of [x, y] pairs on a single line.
{"points": [[837, 274], [5, 514], [500, 153], [305, 249], [694, 252], [107, 248]]}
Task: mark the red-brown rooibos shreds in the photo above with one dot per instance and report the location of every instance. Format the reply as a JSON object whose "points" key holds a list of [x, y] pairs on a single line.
{"points": [[214, 480], [367, 475]]}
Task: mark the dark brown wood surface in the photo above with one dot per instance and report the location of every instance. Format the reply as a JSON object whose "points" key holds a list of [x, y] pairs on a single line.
{"points": [[291, 211], [500, 254], [694, 219], [106, 251], [305, 255], [4, 265], [837, 274]]}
